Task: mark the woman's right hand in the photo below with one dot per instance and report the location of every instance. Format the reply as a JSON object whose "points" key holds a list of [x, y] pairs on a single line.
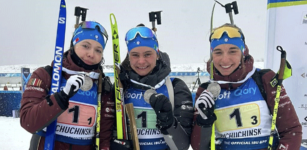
{"points": [[205, 107], [72, 86]]}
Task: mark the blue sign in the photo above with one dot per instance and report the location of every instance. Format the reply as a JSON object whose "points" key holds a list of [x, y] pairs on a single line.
{"points": [[9, 101]]}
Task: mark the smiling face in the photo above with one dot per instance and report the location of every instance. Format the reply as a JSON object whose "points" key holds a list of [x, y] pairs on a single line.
{"points": [[89, 51], [143, 60], [226, 58]]}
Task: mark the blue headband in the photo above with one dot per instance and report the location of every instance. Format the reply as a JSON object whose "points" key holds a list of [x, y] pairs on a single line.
{"points": [[225, 39], [92, 34], [139, 41]]}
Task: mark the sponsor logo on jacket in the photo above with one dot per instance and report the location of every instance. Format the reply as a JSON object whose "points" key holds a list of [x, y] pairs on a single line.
{"points": [[238, 92], [133, 95]]}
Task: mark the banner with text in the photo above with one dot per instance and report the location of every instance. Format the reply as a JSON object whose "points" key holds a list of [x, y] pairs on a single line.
{"points": [[287, 27]]}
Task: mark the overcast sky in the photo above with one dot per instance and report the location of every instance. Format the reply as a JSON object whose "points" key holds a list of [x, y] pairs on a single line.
{"points": [[28, 27]]}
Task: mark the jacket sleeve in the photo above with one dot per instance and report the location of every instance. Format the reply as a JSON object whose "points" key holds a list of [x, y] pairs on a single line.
{"points": [[183, 109], [179, 134], [35, 112], [200, 138], [287, 122], [107, 121]]}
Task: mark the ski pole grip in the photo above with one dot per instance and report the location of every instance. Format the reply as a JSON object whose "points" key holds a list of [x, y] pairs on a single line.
{"points": [[83, 14], [235, 7], [282, 63], [77, 14], [79, 11], [153, 16], [228, 8]]}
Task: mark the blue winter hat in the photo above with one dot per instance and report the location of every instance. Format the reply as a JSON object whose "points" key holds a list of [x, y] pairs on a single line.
{"points": [[141, 36], [87, 33], [225, 39]]}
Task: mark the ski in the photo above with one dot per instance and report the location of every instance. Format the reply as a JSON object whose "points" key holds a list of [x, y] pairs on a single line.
{"points": [[57, 70], [119, 97], [212, 143]]}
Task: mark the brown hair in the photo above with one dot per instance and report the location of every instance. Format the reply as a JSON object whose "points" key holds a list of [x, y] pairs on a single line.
{"points": [[126, 63]]}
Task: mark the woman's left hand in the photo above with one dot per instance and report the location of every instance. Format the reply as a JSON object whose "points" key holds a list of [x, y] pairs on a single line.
{"points": [[163, 108]]}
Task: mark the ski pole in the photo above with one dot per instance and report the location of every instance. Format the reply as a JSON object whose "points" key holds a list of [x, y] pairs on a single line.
{"points": [[98, 111], [278, 91], [212, 141], [153, 16], [79, 11]]}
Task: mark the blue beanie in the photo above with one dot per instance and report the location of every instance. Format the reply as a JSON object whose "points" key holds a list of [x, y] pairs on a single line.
{"points": [[139, 41], [225, 39], [86, 33]]}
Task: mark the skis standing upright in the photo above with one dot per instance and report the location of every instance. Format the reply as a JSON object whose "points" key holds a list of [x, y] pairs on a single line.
{"points": [[119, 96], [57, 70]]}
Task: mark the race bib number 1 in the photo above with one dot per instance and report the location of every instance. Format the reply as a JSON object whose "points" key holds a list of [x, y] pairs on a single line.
{"points": [[79, 114], [238, 117], [145, 118]]}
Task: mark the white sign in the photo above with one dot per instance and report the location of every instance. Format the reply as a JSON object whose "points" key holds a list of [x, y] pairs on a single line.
{"points": [[287, 27]]}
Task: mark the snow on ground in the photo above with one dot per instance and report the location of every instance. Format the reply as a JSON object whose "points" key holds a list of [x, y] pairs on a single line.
{"points": [[12, 135]]}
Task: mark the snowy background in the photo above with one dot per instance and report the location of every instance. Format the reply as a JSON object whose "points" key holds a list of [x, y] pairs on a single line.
{"points": [[31, 26], [28, 36], [188, 67]]}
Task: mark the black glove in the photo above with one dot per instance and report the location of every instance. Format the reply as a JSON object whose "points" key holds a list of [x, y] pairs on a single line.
{"points": [[72, 86], [206, 122], [117, 144], [205, 107], [163, 108]]}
